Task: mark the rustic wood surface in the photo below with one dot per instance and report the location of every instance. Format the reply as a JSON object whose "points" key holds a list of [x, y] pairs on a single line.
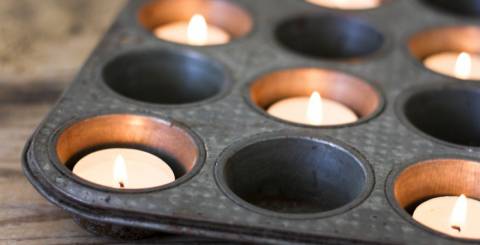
{"points": [[42, 45]]}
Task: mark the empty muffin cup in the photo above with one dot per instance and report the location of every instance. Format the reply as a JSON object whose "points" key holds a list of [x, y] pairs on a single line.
{"points": [[329, 36], [294, 176], [468, 8], [165, 77], [448, 113]]}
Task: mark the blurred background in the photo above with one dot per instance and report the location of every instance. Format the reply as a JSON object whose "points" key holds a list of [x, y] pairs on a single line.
{"points": [[42, 46]]}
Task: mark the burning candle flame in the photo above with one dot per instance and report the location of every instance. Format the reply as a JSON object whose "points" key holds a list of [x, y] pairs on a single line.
{"points": [[459, 213], [463, 66], [120, 171], [315, 109], [197, 31]]}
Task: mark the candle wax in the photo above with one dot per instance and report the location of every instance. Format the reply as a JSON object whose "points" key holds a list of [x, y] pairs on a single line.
{"points": [[295, 110], [444, 63], [143, 170], [436, 212], [177, 32], [347, 4]]}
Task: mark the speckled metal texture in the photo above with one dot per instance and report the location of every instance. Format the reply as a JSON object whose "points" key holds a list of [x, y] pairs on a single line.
{"points": [[198, 206]]}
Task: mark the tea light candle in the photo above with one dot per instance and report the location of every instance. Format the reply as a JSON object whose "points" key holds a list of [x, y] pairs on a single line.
{"points": [[347, 4], [313, 110], [124, 168], [454, 216], [460, 65], [195, 32]]}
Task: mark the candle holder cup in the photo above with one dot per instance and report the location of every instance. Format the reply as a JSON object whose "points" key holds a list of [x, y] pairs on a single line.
{"points": [[224, 14], [170, 142], [363, 98], [242, 174], [181, 150], [410, 186], [178, 148], [444, 39]]}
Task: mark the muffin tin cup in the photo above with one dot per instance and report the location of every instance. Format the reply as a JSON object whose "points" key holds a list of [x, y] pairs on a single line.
{"points": [[162, 77], [180, 148], [294, 176], [363, 98], [414, 183], [173, 142], [450, 38], [221, 13], [461, 8], [443, 112], [329, 36], [242, 175]]}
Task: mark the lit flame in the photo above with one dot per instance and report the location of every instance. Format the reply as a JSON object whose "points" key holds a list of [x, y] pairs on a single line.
{"points": [[197, 31], [463, 66], [120, 171], [314, 109], [459, 213]]}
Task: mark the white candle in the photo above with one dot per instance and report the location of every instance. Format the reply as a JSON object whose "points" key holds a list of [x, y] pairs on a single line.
{"points": [[124, 168], [460, 65], [347, 4], [454, 216], [313, 110], [195, 32]]}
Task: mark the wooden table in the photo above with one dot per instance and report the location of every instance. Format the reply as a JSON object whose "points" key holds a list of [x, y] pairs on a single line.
{"points": [[42, 45]]}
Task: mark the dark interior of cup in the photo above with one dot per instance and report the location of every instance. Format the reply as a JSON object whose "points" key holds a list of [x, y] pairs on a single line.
{"points": [[458, 7], [329, 36], [165, 77], [450, 114], [295, 175]]}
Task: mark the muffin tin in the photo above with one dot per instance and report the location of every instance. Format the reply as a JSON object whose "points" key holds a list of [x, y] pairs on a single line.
{"points": [[243, 175]]}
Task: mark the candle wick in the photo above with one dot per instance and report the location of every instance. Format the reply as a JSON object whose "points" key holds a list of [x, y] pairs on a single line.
{"points": [[457, 228], [121, 184]]}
